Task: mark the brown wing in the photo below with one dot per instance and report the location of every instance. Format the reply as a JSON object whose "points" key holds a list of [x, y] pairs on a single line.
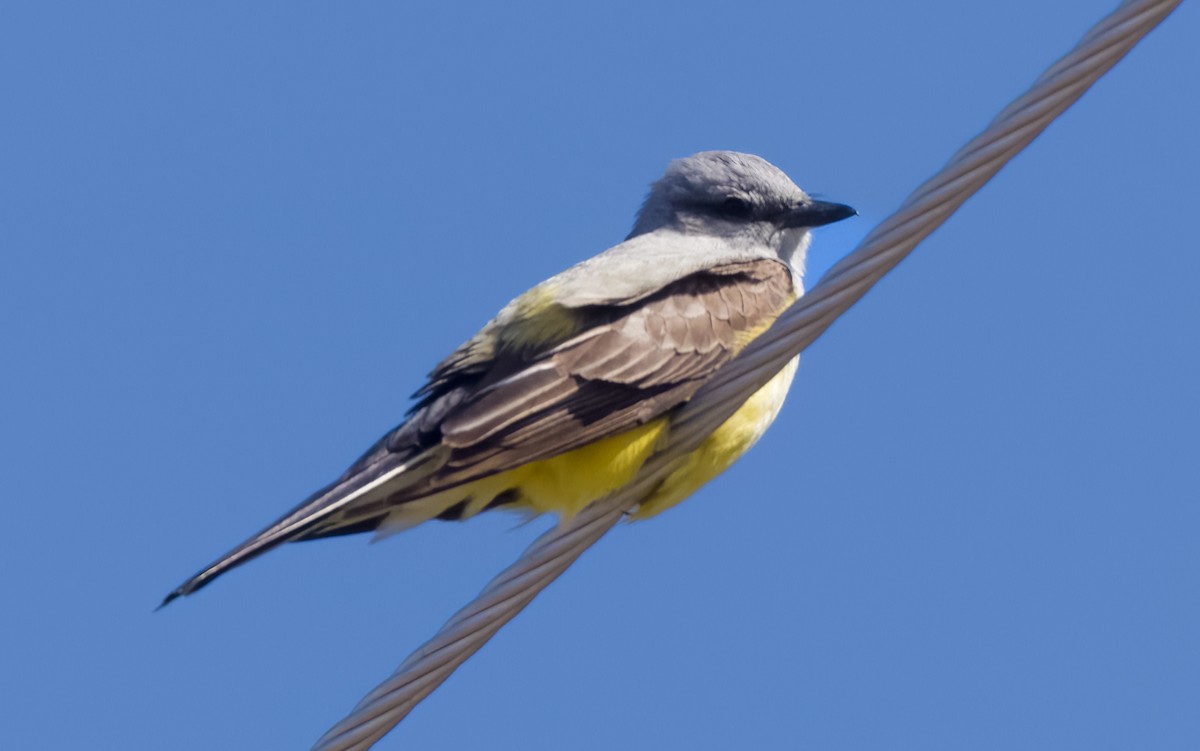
{"points": [[630, 365]]}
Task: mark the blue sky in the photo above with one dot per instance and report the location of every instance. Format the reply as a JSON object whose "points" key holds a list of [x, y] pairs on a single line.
{"points": [[234, 236]]}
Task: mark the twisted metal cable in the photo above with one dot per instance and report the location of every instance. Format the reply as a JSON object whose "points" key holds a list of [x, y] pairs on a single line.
{"points": [[886, 245]]}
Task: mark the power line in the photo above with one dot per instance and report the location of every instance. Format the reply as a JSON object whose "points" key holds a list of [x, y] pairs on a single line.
{"points": [[888, 244]]}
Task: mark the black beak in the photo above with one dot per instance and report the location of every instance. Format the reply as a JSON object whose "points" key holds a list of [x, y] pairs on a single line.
{"points": [[816, 214]]}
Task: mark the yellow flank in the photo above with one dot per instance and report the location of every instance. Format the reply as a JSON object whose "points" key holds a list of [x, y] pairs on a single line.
{"points": [[566, 483], [724, 447], [563, 484]]}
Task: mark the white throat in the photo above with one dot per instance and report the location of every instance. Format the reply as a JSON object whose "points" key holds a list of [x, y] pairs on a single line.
{"points": [[793, 249]]}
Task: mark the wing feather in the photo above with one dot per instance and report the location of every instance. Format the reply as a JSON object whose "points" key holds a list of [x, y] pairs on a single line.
{"points": [[657, 352]]}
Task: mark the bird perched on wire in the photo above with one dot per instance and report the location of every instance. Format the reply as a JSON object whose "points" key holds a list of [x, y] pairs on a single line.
{"points": [[562, 397]]}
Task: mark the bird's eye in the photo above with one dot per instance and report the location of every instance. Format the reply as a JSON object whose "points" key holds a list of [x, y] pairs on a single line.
{"points": [[736, 207]]}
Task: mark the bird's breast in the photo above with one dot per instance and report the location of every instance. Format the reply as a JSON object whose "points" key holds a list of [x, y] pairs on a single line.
{"points": [[725, 446]]}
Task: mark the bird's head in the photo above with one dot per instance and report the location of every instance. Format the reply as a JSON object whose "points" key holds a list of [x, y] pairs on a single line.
{"points": [[741, 197]]}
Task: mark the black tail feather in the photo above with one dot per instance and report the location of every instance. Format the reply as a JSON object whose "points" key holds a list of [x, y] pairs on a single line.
{"points": [[325, 513], [292, 526]]}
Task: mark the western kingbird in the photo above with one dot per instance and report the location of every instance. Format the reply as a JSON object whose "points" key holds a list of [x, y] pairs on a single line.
{"points": [[561, 398]]}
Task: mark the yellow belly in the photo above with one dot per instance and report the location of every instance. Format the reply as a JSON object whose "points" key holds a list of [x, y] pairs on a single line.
{"points": [[567, 483], [724, 447]]}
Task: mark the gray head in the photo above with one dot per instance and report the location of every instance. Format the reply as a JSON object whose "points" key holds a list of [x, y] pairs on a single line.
{"points": [[733, 195]]}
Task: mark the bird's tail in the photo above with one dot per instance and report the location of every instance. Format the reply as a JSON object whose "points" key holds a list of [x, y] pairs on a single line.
{"points": [[324, 513]]}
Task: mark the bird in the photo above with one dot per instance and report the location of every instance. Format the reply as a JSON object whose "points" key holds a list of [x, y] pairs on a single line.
{"points": [[562, 397]]}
